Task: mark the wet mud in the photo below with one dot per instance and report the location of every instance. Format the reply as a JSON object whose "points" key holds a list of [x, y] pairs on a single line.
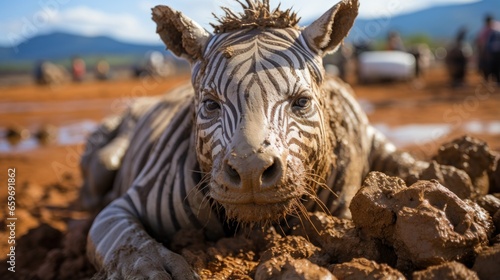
{"points": [[428, 229], [457, 216]]}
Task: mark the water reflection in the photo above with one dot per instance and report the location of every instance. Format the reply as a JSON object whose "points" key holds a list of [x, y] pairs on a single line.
{"points": [[413, 134], [70, 134], [402, 136]]}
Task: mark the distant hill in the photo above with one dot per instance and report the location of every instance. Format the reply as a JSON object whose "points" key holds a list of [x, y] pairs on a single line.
{"points": [[60, 45], [441, 22]]}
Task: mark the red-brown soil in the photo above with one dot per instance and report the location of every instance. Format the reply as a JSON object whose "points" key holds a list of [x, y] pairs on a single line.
{"points": [[50, 228]]}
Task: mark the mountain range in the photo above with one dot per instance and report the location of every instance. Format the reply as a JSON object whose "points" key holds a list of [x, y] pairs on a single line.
{"points": [[441, 22], [61, 45]]}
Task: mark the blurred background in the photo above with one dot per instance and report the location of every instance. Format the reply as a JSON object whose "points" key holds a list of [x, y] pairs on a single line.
{"points": [[424, 71]]}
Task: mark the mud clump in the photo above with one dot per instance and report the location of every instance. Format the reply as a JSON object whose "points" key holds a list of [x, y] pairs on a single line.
{"points": [[450, 270], [365, 269], [226, 258], [474, 157], [418, 229], [487, 263], [425, 223], [256, 255], [456, 180], [46, 253], [439, 224], [340, 240], [489, 203], [291, 257]]}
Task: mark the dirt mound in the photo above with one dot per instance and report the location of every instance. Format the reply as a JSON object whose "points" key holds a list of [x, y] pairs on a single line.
{"points": [[420, 229], [424, 231]]}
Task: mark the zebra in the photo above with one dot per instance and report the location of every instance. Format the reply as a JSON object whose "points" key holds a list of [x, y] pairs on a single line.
{"points": [[259, 136]]}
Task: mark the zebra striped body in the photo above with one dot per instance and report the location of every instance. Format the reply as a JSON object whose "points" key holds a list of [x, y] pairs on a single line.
{"points": [[260, 134]]}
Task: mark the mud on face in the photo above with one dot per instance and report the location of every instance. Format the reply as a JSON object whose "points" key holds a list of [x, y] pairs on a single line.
{"points": [[260, 127]]}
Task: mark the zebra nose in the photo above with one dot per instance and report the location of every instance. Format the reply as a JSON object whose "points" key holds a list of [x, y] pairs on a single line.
{"points": [[254, 172]]}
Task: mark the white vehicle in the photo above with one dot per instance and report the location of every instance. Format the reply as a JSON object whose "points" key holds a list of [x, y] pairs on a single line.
{"points": [[378, 65]]}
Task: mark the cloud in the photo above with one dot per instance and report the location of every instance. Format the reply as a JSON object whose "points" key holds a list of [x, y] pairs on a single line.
{"points": [[135, 25], [94, 22], [81, 20], [88, 21], [200, 10]]}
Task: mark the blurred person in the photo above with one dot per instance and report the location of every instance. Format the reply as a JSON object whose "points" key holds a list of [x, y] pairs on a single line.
{"points": [[48, 73], [38, 73], [345, 53], [394, 42], [457, 57], [493, 55], [482, 41], [423, 58], [102, 70], [154, 63], [341, 59], [78, 69]]}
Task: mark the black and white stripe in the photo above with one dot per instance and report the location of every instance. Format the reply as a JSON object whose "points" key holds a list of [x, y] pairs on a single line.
{"points": [[255, 76]]}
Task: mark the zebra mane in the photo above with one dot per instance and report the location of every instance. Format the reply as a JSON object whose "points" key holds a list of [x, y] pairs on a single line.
{"points": [[256, 14]]}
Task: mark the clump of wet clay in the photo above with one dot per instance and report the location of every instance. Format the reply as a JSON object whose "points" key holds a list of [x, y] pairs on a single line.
{"points": [[365, 269], [424, 231], [489, 203], [426, 223], [456, 180], [340, 239], [69, 260], [471, 155], [227, 258], [255, 255], [46, 253], [487, 263], [450, 270], [291, 257], [495, 176]]}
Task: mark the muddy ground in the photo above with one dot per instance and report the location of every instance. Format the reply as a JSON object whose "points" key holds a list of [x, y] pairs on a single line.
{"points": [[418, 116]]}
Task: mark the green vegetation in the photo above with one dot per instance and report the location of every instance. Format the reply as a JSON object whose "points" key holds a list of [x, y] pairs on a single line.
{"points": [[422, 38], [413, 40], [115, 61]]}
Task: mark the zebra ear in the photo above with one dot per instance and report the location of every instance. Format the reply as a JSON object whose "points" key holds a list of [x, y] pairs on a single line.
{"points": [[326, 33], [182, 36]]}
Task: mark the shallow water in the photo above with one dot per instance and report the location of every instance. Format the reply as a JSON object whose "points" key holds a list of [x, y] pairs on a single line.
{"points": [[417, 134], [70, 134], [401, 136]]}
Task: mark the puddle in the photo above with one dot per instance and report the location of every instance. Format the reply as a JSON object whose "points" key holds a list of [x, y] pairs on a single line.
{"points": [[70, 134], [483, 127], [407, 135], [75, 133], [401, 136], [417, 134], [59, 106]]}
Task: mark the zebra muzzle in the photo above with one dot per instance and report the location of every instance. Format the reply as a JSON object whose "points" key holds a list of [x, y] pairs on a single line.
{"points": [[253, 173]]}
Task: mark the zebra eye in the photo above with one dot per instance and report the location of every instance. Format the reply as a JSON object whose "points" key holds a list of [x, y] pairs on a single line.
{"points": [[211, 105], [302, 103]]}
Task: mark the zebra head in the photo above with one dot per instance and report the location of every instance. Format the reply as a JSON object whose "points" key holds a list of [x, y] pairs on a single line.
{"points": [[262, 128]]}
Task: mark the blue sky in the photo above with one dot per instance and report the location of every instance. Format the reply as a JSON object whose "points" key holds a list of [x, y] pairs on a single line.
{"points": [[129, 20]]}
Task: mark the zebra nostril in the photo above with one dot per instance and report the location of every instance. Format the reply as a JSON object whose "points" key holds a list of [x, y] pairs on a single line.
{"points": [[232, 174], [272, 174]]}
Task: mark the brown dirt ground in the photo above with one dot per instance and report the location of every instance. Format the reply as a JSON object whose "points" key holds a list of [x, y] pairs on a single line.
{"points": [[49, 225]]}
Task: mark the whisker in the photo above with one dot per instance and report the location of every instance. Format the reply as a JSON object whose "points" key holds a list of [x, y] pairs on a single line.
{"points": [[281, 229], [296, 210], [309, 219], [313, 197], [197, 188]]}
